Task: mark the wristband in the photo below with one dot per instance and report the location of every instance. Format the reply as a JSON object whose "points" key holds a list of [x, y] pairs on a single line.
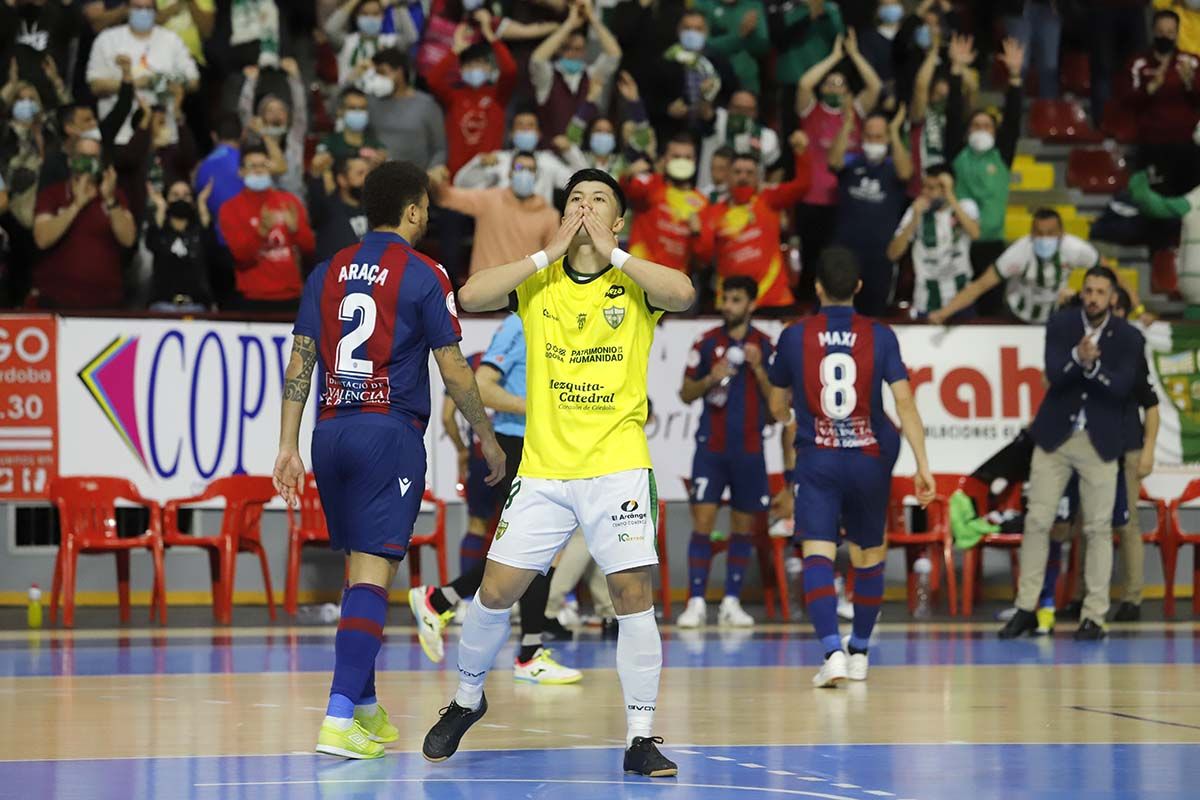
{"points": [[618, 257], [540, 260], [789, 475]]}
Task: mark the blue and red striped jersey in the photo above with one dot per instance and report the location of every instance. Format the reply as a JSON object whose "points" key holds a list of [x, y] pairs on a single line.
{"points": [[836, 362], [375, 310], [734, 414]]}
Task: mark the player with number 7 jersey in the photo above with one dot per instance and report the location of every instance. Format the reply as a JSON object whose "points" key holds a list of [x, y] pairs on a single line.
{"points": [[831, 369]]}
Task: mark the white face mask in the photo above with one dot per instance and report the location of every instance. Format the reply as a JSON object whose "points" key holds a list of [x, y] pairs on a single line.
{"points": [[981, 141], [875, 151]]}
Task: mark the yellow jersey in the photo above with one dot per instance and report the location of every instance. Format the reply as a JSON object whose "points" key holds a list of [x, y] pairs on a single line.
{"points": [[587, 340]]}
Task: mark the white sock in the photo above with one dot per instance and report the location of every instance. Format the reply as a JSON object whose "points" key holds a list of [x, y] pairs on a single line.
{"points": [[367, 709], [341, 723], [531, 640], [484, 633], [639, 664], [451, 596]]}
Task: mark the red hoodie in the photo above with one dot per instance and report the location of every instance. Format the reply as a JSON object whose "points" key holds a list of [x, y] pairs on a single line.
{"points": [[266, 267], [474, 117]]}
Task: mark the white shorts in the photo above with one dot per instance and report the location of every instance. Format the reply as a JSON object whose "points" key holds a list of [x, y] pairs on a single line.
{"points": [[618, 514]]}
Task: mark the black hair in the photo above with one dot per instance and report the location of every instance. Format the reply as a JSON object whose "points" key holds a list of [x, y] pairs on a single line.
{"points": [[748, 155], [352, 23], [350, 91], [939, 169], [1124, 301], [725, 151], [391, 188], [480, 51], [229, 128], [692, 12], [341, 165], [392, 57], [66, 113], [743, 283], [524, 154], [838, 273], [987, 113], [1101, 271], [1164, 12], [878, 115], [251, 150], [1044, 213], [600, 176], [683, 137]]}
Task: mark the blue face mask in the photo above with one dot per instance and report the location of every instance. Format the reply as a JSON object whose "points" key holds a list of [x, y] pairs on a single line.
{"points": [[257, 182], [25, 109], [472, 5], [525, 140], [571, 66], [692, 40], [370, 26], [475, 77], [603, 143], [522, 183], [1045, 247], [141, 19], [923, 37], [890, 15], [356, 119]]}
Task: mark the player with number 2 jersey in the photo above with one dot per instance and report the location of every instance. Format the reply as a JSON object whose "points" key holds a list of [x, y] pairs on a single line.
{"points": [[834, 366]]}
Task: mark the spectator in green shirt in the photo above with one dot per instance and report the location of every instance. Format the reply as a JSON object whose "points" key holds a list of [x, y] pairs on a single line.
{"points": [[353, 134], [738, 31]]}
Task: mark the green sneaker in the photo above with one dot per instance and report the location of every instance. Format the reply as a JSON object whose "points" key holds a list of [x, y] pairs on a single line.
{"points": [[378, 728], [353, 742]]}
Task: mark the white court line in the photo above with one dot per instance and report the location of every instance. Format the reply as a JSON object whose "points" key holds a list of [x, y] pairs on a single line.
{"points": [[219, 702], [165, 699], [314, 708], [719, 758], [812, 778], [534, 730], [491, 725], [750, 765], [845, 786], [879, 793], [576, 735], [266, 705], [688, 752], [780, 772]]}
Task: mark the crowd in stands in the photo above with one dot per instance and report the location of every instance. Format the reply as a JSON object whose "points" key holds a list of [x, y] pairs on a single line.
{"points": [[195, 155]]}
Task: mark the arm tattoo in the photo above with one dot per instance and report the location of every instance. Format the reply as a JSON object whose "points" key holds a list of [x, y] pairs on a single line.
{"points": [[300, 367], [456, 372]]}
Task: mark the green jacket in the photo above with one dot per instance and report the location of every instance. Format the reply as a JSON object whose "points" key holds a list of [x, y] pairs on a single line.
{"points": [[802, 42], [724, 37]]}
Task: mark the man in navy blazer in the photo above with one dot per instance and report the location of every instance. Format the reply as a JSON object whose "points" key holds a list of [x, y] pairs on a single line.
{"points": [[1092, 358]]}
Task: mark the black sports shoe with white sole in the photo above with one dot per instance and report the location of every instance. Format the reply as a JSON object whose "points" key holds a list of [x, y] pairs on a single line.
{"points": [[643, 758], [442, 740]]}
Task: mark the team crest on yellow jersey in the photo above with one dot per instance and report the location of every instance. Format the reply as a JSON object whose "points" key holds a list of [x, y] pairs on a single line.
{"points": [[614, 316]]}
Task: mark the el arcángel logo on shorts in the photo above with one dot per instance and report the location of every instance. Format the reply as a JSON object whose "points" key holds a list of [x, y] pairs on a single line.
{"points": [[614, 316], [629, 516], [500, 529]]}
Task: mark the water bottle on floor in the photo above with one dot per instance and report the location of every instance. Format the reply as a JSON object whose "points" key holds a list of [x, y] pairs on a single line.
{"points": [[923, 567], [794, 567], [33, 614]]}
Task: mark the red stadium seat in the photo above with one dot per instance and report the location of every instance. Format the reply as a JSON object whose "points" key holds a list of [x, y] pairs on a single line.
{"points": [[972, 568], [1061, 121], [936, 537], [1164, 276], [241, 532], [87, 509], [306, 528], [1177, 538], [1119, 122], [1096, 170], [1074, 72], [436, 538]]}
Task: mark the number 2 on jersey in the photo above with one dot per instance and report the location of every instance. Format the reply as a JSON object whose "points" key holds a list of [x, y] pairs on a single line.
{"points": [[347, 364], [838, 395]]}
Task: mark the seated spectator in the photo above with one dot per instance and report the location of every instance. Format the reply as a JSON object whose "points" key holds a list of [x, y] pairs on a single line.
{"points": [[596, 142], [356, 29], [268, 235], [39, 37], [488, 170], [719, 167], [408, 122], [509, 221], [741, 234], [738, 127], [825, 107], [666, 206], [1035, 270], [685, 86], [158, 57], [560, 85], [354, 135], [738, 32], [474, 95], [982, 168], [940, 229], [179, 237], [872, 193], [803, 34], [280, 125], [82, 226], [222, 167], [335, 202], [1166, 101]]}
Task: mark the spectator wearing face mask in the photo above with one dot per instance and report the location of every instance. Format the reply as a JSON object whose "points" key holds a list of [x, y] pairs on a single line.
{"points": [[26, 142], [740, 235], [356, 28], [39, 36], [720, 166], [510, 221], [803, 33], [872, 193], [738, 127], [1166, 98], [940, 228], [666, 206], [409, 123], [927, 115], [335, 207], [474, 94], [354, 135], [825, 106], [75, 120], [181, 242], [268, 235], [152, 154], [929, 27], [982, 168], [559, 70], [494, 169], [82, 227], [877, 43], [737, 31], [278, 124], [683, 89], [596, 142]]}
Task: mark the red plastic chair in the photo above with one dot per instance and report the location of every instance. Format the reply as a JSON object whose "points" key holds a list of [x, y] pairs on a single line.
{"points": [[1164, 274], [306, 528], [1119, 122], [1178, 539], [937, 536], [1096, 170], [241, 532], [435, 538], [1061, 121], [972, 568], [87, 508], [1075, 72]]}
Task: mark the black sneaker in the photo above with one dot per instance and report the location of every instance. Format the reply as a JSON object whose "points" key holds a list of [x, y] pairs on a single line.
{"points": [[442, 740], [555, 631], [1072, 610], [1089, 631], [643, 758], [1128, 612], [1022, 622]]}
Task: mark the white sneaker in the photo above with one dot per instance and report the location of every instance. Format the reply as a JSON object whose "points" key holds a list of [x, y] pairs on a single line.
{"points": [[695, 615], [857, 663], [430, 623], [460, 612], [845, 609], [833, 671], [568, 615], [732, 613], [545, 670]]}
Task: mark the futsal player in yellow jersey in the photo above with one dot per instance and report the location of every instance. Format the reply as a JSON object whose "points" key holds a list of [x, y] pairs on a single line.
{"points": [[589, 311]]}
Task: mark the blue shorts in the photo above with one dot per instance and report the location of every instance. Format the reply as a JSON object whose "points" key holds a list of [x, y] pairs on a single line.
{"points": [[842, 490], [370, 471], [744, 473], [482, 500]]}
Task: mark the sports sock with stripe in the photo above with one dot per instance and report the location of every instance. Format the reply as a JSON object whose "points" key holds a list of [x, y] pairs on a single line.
{"points": [[737, 558], [699, 563], [471, 552], [359, 636], [483, 634], [820, 597], [868, 594], [639, 665]]}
